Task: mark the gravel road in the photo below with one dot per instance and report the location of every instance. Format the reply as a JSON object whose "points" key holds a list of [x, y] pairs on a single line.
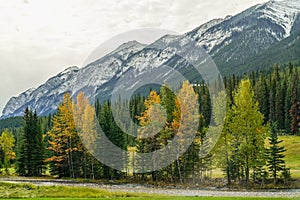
{"points": [[152, 190]]}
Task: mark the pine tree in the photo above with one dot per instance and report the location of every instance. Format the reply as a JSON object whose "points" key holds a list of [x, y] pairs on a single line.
{"points": [[168, 101], [272, 97], [275, 157], [287, 107], [262, 96], [205, 103], [38, 148], [115, 135], [279, 105], [295, 108], [31, 147]]}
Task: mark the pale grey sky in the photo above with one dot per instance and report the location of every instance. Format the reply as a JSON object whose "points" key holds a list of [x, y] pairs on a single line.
{"points": [[40, 38]]}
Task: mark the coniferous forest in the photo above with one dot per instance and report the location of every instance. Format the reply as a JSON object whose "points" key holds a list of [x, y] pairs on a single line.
{"points": [[261, 107]]}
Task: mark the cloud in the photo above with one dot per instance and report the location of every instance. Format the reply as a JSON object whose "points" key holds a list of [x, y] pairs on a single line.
{"points": [[38, 39]]}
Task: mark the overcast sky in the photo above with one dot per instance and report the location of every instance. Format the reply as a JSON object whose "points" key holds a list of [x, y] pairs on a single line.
{"points": [[40, 38]]}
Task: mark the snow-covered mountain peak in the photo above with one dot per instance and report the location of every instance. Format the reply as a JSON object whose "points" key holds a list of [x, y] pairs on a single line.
{"points": [[26, 93], [29, 90], [168, 38], [281, 12], [229, 41], [125, 50], [128, 46], [164, 41], [197, 32], [15, 102], [69, 70]]}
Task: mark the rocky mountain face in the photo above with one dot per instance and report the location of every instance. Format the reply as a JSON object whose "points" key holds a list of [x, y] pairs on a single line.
{"points": [[249, 33], [46, 97], [232, 42]]}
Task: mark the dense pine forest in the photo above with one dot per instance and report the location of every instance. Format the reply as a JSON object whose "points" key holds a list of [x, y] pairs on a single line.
{"points": [[260, 107]]}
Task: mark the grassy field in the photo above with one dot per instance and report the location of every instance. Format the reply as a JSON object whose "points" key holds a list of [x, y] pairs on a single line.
{"points": [[292, 145], [292, 154], [167, 198], [11, 190]]}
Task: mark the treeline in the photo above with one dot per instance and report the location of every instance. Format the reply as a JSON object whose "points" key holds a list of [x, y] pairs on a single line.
{"points": [[259, 106], [277, 93]]}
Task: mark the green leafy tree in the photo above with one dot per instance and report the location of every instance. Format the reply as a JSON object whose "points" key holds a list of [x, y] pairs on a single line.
{"points": [[223, 148], [7, 143], [247, 131]]}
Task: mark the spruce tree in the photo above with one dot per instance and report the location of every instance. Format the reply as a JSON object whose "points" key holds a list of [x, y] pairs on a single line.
{"points": [[295, 108], [275, 157], [279, 106], [114, 134], [262, 96], [168, 101], [38, 147], [31, 148], [287, 107], [272, 97]]}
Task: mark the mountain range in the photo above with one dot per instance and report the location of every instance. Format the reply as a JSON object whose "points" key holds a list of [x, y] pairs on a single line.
{"points": [[254, 39]]}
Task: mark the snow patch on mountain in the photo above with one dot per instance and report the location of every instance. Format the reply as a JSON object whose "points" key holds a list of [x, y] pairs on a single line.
{"points": [[251, 30], [16, 102], [282, 13]]}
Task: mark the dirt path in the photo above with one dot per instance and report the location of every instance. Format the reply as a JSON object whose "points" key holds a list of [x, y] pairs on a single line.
{"points": [[152, 190]]}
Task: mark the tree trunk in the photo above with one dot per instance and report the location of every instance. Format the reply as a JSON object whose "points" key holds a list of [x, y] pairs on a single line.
{"points": [[93, 174], [71, 161], [178, 167], [247, 163], [228, 170], [247, 168], [275, 176], [85, 164]]}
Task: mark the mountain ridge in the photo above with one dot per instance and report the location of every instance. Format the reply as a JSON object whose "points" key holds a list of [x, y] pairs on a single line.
{"points": [[230, 41]]}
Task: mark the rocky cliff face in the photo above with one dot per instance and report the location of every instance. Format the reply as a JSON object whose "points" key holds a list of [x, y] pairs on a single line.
{"points": [[230, 42]]}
